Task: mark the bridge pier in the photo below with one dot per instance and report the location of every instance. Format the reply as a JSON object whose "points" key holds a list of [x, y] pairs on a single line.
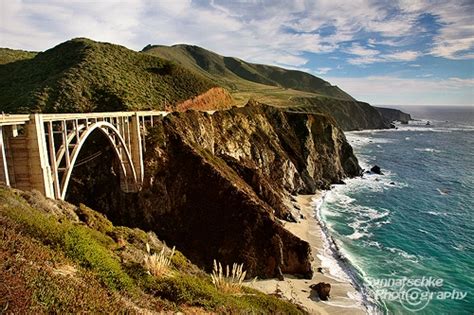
{"points": [[136, 147], [39, 169], [4, 176]]}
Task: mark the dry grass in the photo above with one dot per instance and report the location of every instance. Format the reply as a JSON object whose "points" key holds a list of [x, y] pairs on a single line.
{"points": [[158, 264], [231, 281]]}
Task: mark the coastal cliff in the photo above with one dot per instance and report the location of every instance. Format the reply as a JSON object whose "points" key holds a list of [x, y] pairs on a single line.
{"points": [[211, 180], [349, 115], [390, 114], [217, 186]]}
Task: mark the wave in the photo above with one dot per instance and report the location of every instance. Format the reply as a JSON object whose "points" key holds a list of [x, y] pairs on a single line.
{"points": [[394, 250], [437, 214], [402, 253], [428, 150], [335, 260], [358, 235]]}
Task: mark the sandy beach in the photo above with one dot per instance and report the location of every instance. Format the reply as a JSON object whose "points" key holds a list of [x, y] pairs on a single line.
{"points": [[298, 290]]}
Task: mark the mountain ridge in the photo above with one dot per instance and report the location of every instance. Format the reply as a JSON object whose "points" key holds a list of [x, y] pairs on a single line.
{"points": [[82, 75], [223, 68]]}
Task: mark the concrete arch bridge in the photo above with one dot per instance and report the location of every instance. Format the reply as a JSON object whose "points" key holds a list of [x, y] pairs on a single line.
{"points": [[40, 151]]}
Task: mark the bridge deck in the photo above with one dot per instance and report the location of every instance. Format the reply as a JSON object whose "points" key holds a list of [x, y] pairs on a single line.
{"points": [[21, 119]]}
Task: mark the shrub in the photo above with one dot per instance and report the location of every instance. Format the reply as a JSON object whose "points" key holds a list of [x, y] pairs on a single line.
{"points": [[230, 282], [158, 264], [79, 245], [186, 290]]}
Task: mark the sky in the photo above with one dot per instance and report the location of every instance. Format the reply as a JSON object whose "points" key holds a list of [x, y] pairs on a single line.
{"points": [[399, 52]]}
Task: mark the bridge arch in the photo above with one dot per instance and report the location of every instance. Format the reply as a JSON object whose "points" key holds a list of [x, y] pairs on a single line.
{"points": [[128, 174]]}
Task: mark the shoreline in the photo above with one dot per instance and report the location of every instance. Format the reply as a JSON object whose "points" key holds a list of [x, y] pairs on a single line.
{"points": [[344, 297]]}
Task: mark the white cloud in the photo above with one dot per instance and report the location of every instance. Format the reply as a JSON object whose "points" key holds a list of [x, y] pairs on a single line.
{"points": [[265, 31], [37, 25], [323, 70], [397, 90], [455, 39], [357, 49], [408, 55], [369, 55]]}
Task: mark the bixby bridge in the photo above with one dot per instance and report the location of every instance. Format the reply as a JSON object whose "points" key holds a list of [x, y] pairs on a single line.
{"points": [[39, 151]]}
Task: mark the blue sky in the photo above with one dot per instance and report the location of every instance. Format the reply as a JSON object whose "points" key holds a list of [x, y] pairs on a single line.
{"points": [[398, 52]]}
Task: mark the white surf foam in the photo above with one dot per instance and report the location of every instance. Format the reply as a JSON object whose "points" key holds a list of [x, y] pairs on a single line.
{"points": [[437, 214], [336, 260], [427, 150]]}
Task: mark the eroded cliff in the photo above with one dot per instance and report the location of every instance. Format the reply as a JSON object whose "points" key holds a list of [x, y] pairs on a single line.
{"points": [[217, 186], [389, 115]]}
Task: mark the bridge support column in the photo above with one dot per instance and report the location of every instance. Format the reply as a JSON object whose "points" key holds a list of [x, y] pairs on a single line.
{"points": [[39, 170], [136, 147], [4, 177]]}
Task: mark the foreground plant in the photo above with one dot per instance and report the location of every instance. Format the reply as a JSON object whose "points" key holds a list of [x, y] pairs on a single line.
{"points": [[231, 281], [158, 264]]}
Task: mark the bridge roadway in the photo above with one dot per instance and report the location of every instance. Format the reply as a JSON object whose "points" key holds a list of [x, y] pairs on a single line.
{"points": [[39, 151]]}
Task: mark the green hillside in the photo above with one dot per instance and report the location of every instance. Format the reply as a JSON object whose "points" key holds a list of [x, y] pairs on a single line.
{"points": [[243, 78], [81, 75], [8, 55], [60, 258], [298, 91]]}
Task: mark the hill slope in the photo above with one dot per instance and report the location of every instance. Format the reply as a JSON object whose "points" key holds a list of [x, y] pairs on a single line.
{"points": [[390, 114], [298, 91], [8, 55], [59, 258], [237, 74], [82, 75]]}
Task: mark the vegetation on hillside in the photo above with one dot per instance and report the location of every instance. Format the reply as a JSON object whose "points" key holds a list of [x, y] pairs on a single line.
{"points": [[8, 55], [81, 75], [59, 258], [240, 76]]}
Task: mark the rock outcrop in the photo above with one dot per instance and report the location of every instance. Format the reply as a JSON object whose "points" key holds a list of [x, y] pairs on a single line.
{"points": [[216, 185], [389, 115], [376, 170], [214, 99], [322, 289]]}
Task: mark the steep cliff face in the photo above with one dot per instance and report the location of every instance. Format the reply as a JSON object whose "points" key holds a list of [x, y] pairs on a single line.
{"points": [[390, 115], [217, 185], [350, 115]]}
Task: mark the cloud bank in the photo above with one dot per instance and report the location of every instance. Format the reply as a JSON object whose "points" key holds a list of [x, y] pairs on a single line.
{"points": [[270, 31]]}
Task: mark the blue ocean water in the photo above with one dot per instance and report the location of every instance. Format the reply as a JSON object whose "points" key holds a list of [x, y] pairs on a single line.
{"points": [[414, 222]]}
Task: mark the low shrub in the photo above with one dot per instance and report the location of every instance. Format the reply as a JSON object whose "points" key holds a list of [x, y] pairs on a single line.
{"points": [[158, 264], [231, 280]]}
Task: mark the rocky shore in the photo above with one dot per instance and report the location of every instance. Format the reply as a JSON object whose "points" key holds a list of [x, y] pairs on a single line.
{"points": [[343, 297]]}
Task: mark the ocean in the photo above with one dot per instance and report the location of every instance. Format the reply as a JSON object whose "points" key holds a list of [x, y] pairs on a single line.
{"points": [[406, 238]]}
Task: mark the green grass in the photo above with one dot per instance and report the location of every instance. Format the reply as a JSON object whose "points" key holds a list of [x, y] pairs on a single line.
{"points": [[82, 247], [81, 75], [8, 55], [200, 292], [35, 242], [268, 84]]}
